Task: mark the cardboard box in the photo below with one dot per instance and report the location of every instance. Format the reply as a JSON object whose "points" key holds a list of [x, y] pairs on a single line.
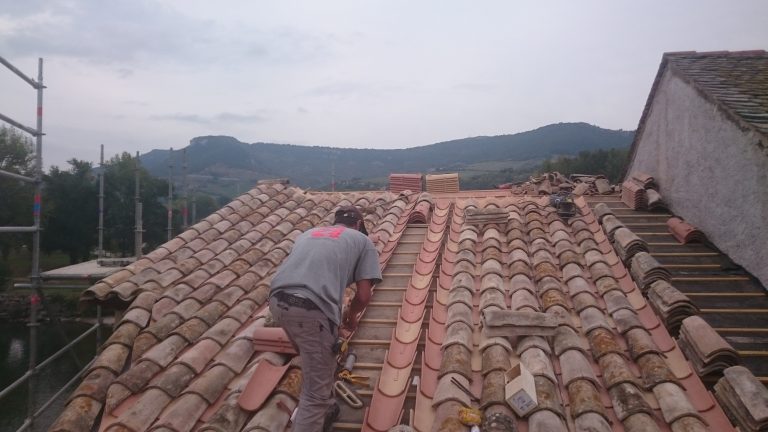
{"points": [[520, 390]]}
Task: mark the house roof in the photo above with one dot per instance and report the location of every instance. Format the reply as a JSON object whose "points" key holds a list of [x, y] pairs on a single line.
{"points": [[183, 352], [736, 81]]}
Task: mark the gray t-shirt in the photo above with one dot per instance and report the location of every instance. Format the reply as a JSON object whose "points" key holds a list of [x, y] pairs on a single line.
{"points": [[323, 262]]}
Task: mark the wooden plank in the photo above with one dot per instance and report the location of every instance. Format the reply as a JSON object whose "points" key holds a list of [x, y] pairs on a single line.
{"points": [[753, 353], [692, 266], [709, 278], [734, 310], [685, 254]]}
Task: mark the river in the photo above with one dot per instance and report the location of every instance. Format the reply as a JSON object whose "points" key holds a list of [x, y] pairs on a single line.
{"points": [[14, 362]]}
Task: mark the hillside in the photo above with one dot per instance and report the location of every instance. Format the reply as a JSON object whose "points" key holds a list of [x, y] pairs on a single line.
{"points": [[221, 158]]}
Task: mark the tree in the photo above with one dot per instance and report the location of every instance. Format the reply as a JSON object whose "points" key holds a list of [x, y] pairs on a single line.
{"points": [[610, 163], [15, 196], [119, 213], [71, 211]]}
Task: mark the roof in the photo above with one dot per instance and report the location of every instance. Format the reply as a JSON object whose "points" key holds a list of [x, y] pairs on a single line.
{"points": [[183, 352], [735, 81]]}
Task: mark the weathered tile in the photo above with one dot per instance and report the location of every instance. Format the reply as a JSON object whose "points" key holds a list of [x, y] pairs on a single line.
{"points": [[673, 402], [584, 398], [537, 361], [172, 380], [628, 401], [575, 366], [567, 339], [615, 370]]}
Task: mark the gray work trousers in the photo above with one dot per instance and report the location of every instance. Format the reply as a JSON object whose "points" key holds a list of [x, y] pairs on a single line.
{"points": [[313, 335]]}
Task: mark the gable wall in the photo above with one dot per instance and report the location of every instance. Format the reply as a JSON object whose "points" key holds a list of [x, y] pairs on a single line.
{"points": [[709, 171]]}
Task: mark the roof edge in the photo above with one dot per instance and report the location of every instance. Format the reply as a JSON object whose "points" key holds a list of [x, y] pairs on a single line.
{"points": [[728, 112]]}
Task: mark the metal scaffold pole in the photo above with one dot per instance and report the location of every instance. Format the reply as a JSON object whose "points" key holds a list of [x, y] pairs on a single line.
{"points": [[36, 211], [184, 210], [170, 194], [37, 298], [137, 201], [100, 252]]}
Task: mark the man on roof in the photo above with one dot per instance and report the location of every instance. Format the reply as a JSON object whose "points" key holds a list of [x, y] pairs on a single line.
{"points": [[306, 296]]}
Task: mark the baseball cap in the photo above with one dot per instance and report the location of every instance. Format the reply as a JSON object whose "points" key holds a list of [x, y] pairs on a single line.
{"points": [[351, 214]]}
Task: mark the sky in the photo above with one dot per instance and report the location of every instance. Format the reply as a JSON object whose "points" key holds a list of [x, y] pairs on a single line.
{"points": [[137, 75]]}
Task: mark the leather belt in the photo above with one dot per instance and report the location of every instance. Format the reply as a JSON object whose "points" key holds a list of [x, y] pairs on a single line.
{"points": [[296, 301]]}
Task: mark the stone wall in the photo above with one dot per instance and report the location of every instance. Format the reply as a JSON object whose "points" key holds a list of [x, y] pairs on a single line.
{"points": [[709, 170]]}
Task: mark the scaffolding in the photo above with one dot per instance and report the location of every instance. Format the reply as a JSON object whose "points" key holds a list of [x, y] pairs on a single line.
{"points": [[38, 298]]}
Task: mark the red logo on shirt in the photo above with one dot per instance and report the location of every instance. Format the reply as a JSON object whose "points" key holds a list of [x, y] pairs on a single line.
{"points": [[328, 232]]}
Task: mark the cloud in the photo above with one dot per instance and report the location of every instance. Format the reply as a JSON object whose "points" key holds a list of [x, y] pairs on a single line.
{"points": [[141, 32], [224, 117], [475, 87], [349, 89]]}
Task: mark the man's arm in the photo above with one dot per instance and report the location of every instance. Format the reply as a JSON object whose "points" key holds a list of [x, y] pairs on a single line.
{"points": [[358, 304]]}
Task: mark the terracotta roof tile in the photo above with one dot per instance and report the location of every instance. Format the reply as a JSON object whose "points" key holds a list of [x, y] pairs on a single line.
{"points": [[205, 319]]}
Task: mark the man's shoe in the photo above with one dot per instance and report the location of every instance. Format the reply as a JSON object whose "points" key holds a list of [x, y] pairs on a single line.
{"points": [[331, 416]]}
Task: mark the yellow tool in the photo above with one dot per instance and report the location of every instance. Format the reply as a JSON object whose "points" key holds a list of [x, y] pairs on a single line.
{"points": [[360, 380], [470, 416], [346, 372]]}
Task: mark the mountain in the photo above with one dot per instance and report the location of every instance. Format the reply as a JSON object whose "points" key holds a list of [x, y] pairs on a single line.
{"points": [[223, 158]]}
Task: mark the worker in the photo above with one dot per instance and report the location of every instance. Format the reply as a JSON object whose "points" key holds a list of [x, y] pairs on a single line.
{"points": [[306, 296]]}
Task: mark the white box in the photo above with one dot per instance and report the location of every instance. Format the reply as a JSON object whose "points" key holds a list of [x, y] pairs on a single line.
{"points": [[520, 390]]}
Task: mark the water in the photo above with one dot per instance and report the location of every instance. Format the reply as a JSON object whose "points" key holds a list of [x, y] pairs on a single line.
{"points": [[14, 362]]}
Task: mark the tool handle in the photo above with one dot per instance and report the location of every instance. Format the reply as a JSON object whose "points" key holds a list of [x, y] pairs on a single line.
{"points": [[349, 363]]}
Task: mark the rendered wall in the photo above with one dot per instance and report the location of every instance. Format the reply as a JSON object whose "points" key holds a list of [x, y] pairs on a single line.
{"points": [[710, 172]]}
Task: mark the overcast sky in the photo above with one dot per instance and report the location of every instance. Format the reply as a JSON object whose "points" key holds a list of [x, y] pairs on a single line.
{"points": [[141, 74]]}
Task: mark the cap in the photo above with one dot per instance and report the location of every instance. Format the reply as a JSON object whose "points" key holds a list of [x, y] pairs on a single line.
{"points": [[351, 214]]}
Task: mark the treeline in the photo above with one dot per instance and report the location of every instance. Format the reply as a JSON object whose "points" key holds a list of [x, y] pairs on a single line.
{"points": [[70, 205], [611, 163]]}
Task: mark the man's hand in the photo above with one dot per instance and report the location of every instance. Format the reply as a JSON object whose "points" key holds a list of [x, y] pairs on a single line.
{"points": [[352, 314]]}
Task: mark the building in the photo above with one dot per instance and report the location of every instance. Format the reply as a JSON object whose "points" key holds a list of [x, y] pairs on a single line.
{"points": [[704, 137]]}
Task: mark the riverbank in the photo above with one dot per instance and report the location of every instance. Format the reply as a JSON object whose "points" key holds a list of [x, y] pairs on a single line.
{"points": [[15, 354], [15, 306]]}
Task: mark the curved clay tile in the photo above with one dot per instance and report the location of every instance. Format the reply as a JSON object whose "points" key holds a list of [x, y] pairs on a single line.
{"points": [[522, 299], [537, 362]]}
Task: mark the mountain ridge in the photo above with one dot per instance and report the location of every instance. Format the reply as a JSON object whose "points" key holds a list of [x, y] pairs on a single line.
{"points": [[225, 156]]}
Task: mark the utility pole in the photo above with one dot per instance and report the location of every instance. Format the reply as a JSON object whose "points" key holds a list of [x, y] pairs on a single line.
{"points": [[137, 240], [170, 194], [100, 252], [185, 209], [194, 207]]}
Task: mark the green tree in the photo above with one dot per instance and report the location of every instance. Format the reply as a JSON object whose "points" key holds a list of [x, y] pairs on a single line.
{"points": [[71, 211], [610, 163], [119, 213], [15, 196]]}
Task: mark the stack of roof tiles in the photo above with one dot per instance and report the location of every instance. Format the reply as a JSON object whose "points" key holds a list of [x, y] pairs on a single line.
{"points": [[182, 353], [684, 232], [602, 210], [626, 243], [646, 270], [442, 183], [640, 192], [633, 195], [645, 180], [708, 352], [744, 398], [671, 305], [405, 182], [554, 182]]}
